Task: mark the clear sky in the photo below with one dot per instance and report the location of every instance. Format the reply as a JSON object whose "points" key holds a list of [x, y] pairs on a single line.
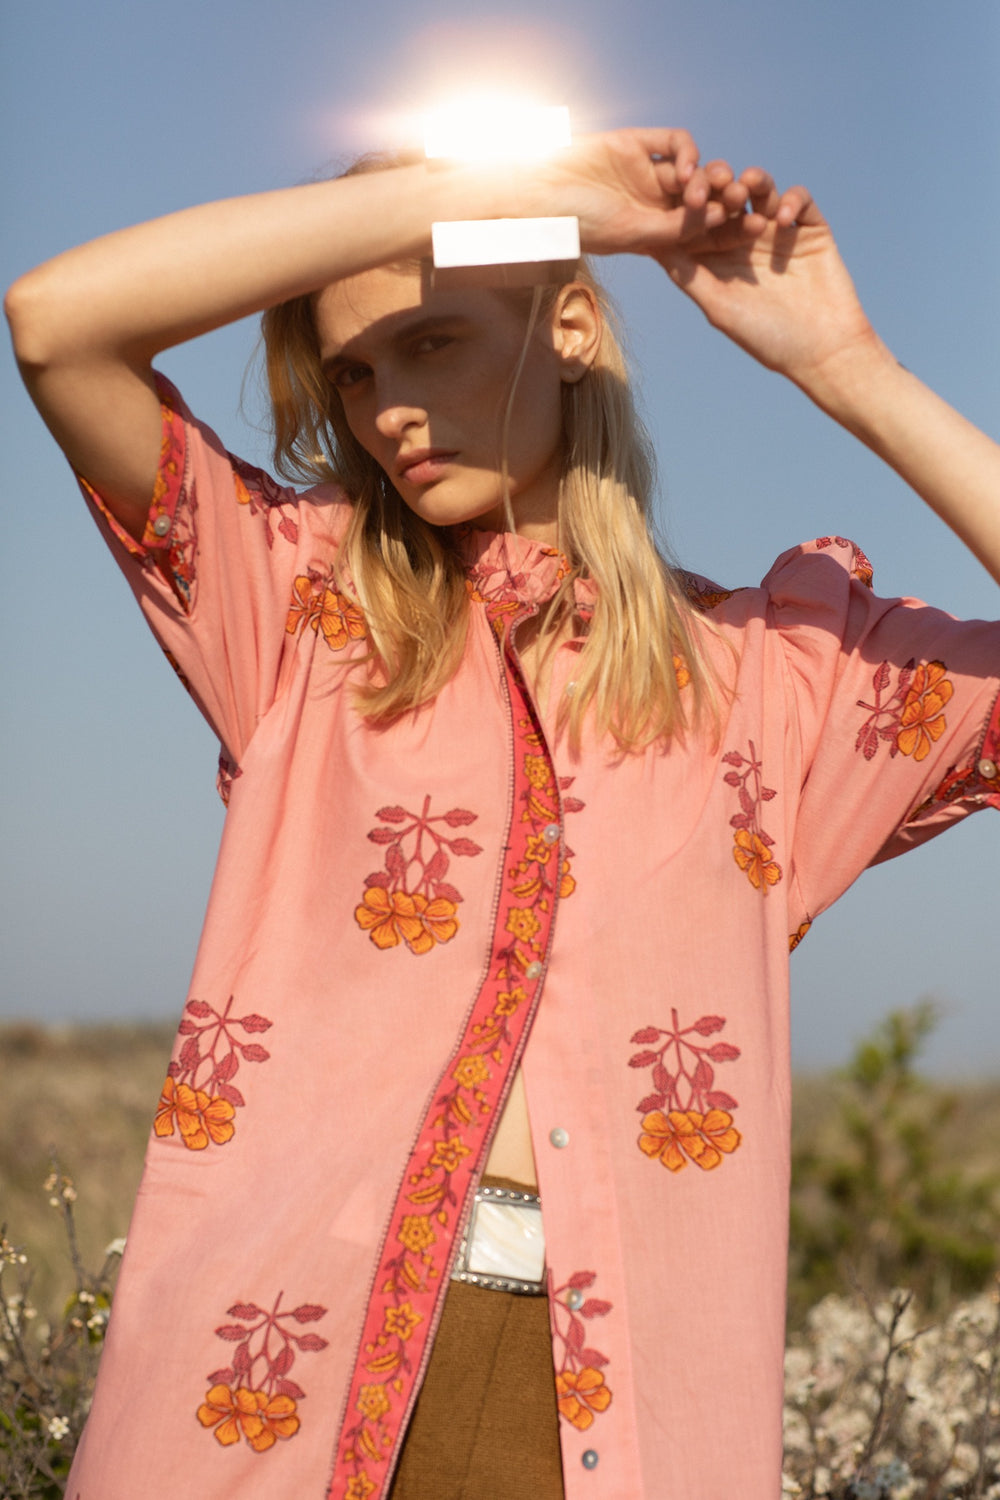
{"points": [[121, 109]]}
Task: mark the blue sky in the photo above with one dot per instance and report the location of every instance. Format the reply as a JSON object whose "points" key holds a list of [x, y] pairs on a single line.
{"points": [[123, 109]]}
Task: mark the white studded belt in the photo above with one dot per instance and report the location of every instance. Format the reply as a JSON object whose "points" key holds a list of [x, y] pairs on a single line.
{"points": [[504, 1245]]}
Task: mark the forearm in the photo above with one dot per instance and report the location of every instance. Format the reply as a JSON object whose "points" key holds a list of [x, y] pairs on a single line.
{"points": [[143, 289], [950, 463]]}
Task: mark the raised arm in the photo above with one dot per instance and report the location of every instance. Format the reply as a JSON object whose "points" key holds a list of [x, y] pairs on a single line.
{"points": [[87, 324], [785, 296]]}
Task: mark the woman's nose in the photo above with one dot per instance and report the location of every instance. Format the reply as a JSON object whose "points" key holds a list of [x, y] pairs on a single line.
{"points": [[395, 414]]}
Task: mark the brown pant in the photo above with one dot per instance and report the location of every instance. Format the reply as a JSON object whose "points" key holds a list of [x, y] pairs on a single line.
{"points": [[485, 1426]]}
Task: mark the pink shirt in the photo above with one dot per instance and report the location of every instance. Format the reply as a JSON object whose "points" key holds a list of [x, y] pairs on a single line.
{"points": [[401, 916]]}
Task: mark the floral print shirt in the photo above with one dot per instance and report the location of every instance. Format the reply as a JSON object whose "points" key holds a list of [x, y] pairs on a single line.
{"points": [[402, 916]]}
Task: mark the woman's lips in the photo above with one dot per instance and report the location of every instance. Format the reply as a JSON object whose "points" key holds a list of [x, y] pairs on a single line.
{"points": [[424, 465]]}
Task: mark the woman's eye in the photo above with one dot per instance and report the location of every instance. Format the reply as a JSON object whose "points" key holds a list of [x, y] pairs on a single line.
{"points": [[430, 342], [349, 375]]}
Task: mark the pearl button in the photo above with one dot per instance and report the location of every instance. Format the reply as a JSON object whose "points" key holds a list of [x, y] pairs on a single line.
{"points": [[589, 1459], [533, 970], [551, 833], [574, 1297], [162, 525], [559, 1137], [570, 689], [987, 770]]}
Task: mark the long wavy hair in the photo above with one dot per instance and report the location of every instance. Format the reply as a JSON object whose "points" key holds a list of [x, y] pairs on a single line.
{"points": [[642, 671]]}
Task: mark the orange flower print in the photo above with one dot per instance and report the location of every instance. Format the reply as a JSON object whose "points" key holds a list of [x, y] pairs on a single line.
{"points": [[470, 1071], [198, 1117], [200, 1097], [316, 604], [416, 1233], [911, 717], [922, 718], [536, 768], [359, 1487], [795, 938], [581, 1391], [581, 1395], [522, 923], [401, 1320], [373, 1402], [508, 1001], [254, 1397], [754, 857], [681, 1136], [686, 1117], [752, 846], [449, 1153], [410, 901], [260, 1418], [682, 672]]}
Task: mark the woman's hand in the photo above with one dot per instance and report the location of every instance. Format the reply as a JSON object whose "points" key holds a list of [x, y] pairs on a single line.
{"points": [[772, 279]]}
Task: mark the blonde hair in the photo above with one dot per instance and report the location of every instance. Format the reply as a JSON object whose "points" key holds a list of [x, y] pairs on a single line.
{"points": [[642, 669]]}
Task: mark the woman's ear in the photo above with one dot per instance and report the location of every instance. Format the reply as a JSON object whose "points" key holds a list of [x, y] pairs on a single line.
{"points": [[576, 330]]}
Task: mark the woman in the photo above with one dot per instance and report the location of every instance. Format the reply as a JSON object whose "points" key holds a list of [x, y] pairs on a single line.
{"points": [[482, 752]]}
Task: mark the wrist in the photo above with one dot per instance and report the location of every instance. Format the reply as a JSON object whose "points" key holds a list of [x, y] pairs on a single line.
{"points": [[847, 384]]}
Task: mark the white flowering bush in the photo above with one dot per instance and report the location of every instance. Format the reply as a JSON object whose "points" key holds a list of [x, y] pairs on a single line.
{"points": [[48, 1363], [882, 1406]]}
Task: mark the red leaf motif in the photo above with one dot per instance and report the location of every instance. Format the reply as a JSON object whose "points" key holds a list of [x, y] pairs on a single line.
{"points": [[199, 1008], [312, 1342], [235, 1098], [766, 793], [288, 528], [187, 1028], [253, 1022], [395, 862], [651, 1101], [190, 1056], [459, 817], [383, 836], [723, 1052], [252, 1052], [746, 801], [716, 1099], [448, 891], [245, 1310], [704, 1075], [226, 1067], [643, 1059], [283, 1361], [380, 877], [646, 1035], [232, 1331], [308, 1312], [392, 814], [592, 1359], [732, 758], [573, 804], [706, 1025], [595, 1308], [575, 1336], [465, 846], [867, 741], [661, 1078], [437, 867], [739, 820], [242, 1363], [173, 1069], [882, 677], [289, 1388], [222, 1377], [580, 1280], [732, 778]]}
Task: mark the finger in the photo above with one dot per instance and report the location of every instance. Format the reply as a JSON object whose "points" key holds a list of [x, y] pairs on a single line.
{"points": [[796, 206], [763, 194]]}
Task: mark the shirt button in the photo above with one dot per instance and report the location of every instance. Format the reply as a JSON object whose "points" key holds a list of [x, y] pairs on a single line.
{"points": [[533, 970], [570, 689], [162, 525], [559, 1137], [589, 1459], [551, 833], [986, 768], [574, 1297]]}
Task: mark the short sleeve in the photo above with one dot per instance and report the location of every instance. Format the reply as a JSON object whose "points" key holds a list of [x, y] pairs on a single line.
{"points": [[215, 572], [895, 709]]}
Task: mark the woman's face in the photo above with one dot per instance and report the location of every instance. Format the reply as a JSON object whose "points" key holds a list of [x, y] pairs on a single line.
{"points": [[424, 376]]}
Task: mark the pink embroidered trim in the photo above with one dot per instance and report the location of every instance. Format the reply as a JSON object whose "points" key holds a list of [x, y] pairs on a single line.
{"points": [[432, 1202], [980, 779]]}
